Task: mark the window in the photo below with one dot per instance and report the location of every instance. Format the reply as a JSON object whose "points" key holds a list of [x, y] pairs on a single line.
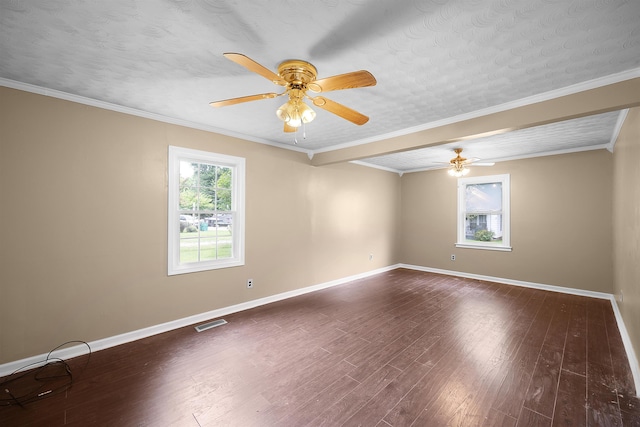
{"points": [[206, 211], [483, 213]]}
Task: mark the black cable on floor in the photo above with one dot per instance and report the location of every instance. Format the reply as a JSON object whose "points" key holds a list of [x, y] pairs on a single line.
{"points": [[52, 376]]}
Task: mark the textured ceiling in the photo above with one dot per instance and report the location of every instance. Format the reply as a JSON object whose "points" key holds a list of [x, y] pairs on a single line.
{"points": [[571, 135], [434, 60]]}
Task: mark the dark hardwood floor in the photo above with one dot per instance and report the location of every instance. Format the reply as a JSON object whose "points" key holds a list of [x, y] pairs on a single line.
{"points": [[398, 349]]}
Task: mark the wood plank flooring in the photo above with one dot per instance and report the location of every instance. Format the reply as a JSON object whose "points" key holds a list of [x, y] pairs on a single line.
{"points": [[402, 348]]}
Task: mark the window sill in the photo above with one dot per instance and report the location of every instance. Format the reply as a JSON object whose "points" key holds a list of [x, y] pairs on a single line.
{"points": [[485, 247]]}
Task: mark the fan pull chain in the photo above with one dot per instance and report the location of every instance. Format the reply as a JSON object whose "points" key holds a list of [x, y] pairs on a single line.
{"points": [[295, 136], [304, 130]]}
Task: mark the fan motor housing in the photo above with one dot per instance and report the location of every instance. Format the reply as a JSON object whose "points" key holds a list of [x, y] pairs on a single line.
{"points": [[297, 72]]}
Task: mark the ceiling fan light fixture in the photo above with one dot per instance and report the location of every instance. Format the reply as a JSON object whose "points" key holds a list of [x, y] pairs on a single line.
{"points": [[458, 170], [458, 165], [295, 112]]}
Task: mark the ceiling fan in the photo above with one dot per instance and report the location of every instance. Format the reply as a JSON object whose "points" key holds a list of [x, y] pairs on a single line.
{"points": [[458, 165], [298, 77]]}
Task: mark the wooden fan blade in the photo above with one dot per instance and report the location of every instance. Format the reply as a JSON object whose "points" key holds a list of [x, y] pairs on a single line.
{"points": [[352, 80], [288, 128], [233, 101], [252, 65], [340, 110], [476, 162]]}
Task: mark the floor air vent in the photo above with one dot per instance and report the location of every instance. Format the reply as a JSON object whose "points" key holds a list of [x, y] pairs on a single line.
{"points": [[210, 325]]}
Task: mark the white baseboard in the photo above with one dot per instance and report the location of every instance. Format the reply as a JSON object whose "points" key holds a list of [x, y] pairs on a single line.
{"points": [[533, 285], [626, 339], [78, 350], [628, 346]]}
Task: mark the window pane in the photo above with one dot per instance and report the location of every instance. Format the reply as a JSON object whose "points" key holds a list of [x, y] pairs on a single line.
{"points": [[224, 177], [204, 202], [207, 175], [205, 237], [483, 228], [224, 243], [207, 198], [208, 249], [188, 223], [187, 173], [484, 197], [188, 199], [188, 247], [223, 200]]}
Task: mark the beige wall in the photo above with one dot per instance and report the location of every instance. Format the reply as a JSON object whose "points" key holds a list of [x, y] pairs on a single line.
{"points": [[84, 209], [560, 222], [626, 225]]}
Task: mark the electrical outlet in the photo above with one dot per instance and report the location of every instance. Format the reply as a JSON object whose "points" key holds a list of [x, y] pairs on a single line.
{"points": [[453, 257], [250, 283]]}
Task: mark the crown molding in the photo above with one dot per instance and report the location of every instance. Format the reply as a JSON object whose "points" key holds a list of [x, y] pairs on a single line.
{"points": [[374, 166], [616, 130]]}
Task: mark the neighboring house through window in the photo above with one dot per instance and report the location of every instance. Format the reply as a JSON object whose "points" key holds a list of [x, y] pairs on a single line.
{"points": [[206, 211], [484, 213]]}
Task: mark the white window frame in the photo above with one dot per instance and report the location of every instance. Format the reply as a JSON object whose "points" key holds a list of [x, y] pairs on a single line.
{"points": [[176, 155], [506, 212]]}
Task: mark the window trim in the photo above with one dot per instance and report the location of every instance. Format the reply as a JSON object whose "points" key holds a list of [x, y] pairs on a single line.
{"points": [[461, 242], [175, 156]]}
